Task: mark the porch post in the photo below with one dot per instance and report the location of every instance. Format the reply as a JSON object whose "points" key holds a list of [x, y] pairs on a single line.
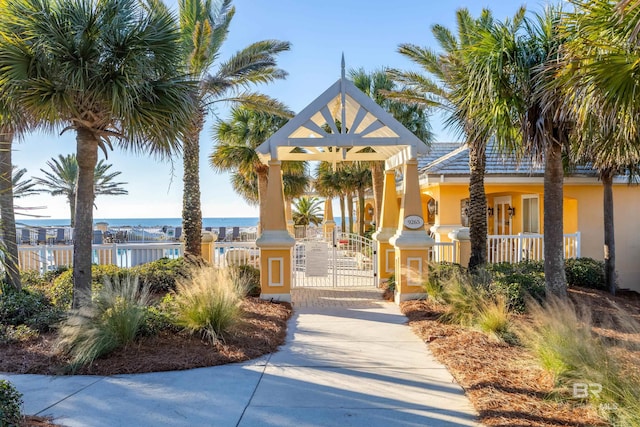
{"points": [[275, 242], [411, 241], [387, 227], [328, 224]]}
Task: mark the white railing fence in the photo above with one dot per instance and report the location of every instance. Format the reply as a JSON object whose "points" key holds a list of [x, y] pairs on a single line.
{"points": [[235, 253], [443, 252], [521, 247], [49, 257]]}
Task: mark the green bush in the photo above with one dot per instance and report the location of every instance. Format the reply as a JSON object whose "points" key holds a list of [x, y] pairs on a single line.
{"points": [[61, 290], [208, 302], [160, 275], [10, 403], [28, 308], [586, 272], [439, 274], [248, 277], [114, 318], [11, 333], [517, 282]]}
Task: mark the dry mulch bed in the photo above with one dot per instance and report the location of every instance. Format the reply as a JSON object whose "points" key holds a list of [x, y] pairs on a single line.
{"points": [[503, 381], [261, 331]]}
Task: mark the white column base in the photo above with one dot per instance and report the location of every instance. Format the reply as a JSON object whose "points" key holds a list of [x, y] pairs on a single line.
{"points": [[406, 297], [276, 297]]}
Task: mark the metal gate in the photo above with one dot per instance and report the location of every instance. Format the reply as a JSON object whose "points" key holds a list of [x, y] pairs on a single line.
{"points": [[337, 260]]}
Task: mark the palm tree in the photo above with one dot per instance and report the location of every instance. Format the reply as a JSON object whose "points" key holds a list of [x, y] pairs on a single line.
{"points": [[108, 70], [22, 187], [12, 121], [511, 75], [412, 116], [449, 86], [357, 176], [327, 183], [307, 211], [596, 82], [204, 25], [62, 180], [236, 141]]}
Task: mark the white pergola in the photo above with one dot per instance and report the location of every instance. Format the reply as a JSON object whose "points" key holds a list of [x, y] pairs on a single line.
{"points": [[366, 133]]}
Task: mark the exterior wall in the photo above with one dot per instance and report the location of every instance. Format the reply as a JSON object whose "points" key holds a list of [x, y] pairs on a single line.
{"points": [[582, 212]]}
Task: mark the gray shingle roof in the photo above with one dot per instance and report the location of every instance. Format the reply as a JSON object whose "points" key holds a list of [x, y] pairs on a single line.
{"points": [[452, 158]]}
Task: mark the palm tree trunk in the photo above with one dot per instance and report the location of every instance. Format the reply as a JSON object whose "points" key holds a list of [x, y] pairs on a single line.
{"points": [[191, 207], [477, 205], [377, 182], [609, 232], [72, 207], [8, 223], [350, 211], [263, 181], [361, 211], [343, 224], [555, 279], [87, 155]]}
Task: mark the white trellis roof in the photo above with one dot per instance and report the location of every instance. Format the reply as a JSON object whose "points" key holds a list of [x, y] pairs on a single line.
{"points": [[370, 132]]}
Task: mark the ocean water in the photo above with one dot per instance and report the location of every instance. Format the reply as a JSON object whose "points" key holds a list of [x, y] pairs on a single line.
{"points": [[145, 222]]}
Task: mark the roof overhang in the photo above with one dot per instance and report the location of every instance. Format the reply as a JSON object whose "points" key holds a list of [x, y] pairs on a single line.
{"points": [[318, 131]]}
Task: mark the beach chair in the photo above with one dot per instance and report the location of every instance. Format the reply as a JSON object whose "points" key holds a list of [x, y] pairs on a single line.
{"points": [[25, 236], [121, 236], [178, 233], [60, 239], [208, 228], [42, 236], [97, 237], [235, 234], [222, 234]]}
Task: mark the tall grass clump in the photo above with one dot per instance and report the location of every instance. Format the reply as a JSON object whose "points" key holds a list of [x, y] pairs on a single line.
{"points": [[208, 301], [469, 302], [112, 320], [560, 336]]}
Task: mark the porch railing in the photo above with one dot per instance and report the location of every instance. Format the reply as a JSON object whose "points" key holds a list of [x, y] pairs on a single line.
{"points": [[238, 253], [521, 247], [443, 252]]}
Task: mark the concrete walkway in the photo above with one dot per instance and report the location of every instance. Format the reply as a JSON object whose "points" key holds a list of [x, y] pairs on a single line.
{"points": [[349, 360]]}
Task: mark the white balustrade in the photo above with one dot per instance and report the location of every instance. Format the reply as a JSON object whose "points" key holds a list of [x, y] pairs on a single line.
{"points": [[521, 247]]}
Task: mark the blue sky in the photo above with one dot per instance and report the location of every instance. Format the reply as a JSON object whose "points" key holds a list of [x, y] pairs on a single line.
{"points": [[368, 32]]}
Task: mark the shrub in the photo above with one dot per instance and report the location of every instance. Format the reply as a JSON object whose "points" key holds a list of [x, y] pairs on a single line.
{"points": [[248, 277], [113, 319], [439, 274], [61, 290], [208, 302], [10, 403], [516, 282], [586, 272], [11, 333], [160, 275], [27, 307]]}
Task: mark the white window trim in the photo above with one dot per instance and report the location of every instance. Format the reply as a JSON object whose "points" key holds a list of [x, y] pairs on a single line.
{"points": [[529, 196]]}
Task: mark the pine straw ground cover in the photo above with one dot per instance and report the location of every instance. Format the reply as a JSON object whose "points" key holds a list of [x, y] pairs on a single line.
{"points": [[504, 382], [261, 331]]}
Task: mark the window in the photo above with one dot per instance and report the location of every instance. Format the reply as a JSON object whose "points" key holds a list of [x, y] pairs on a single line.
{"points": [[530, 214]]}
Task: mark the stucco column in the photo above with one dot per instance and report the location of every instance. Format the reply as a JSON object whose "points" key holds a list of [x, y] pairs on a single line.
{"points": [[462, 241], [411, 240], [289, 215], [388, 226], [328, 224], [275, 242]]}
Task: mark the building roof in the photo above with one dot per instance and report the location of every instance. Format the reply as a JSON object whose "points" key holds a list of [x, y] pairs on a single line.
{"points": [[452, 158]]}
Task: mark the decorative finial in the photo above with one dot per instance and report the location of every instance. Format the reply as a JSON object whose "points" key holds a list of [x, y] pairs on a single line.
{"points": [[342, 74]]}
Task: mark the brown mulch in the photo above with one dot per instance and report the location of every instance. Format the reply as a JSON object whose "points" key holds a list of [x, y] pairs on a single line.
{"points": [[503, 381], [261, 331]]}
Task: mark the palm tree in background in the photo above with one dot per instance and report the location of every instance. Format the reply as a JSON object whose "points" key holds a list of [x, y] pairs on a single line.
{"points": [[235, 152], [62, 180], [307, 211], [598, 83], [449, 86], [327, 184], [108, 70], [22, 187], [412, 116], [204, 25]]}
